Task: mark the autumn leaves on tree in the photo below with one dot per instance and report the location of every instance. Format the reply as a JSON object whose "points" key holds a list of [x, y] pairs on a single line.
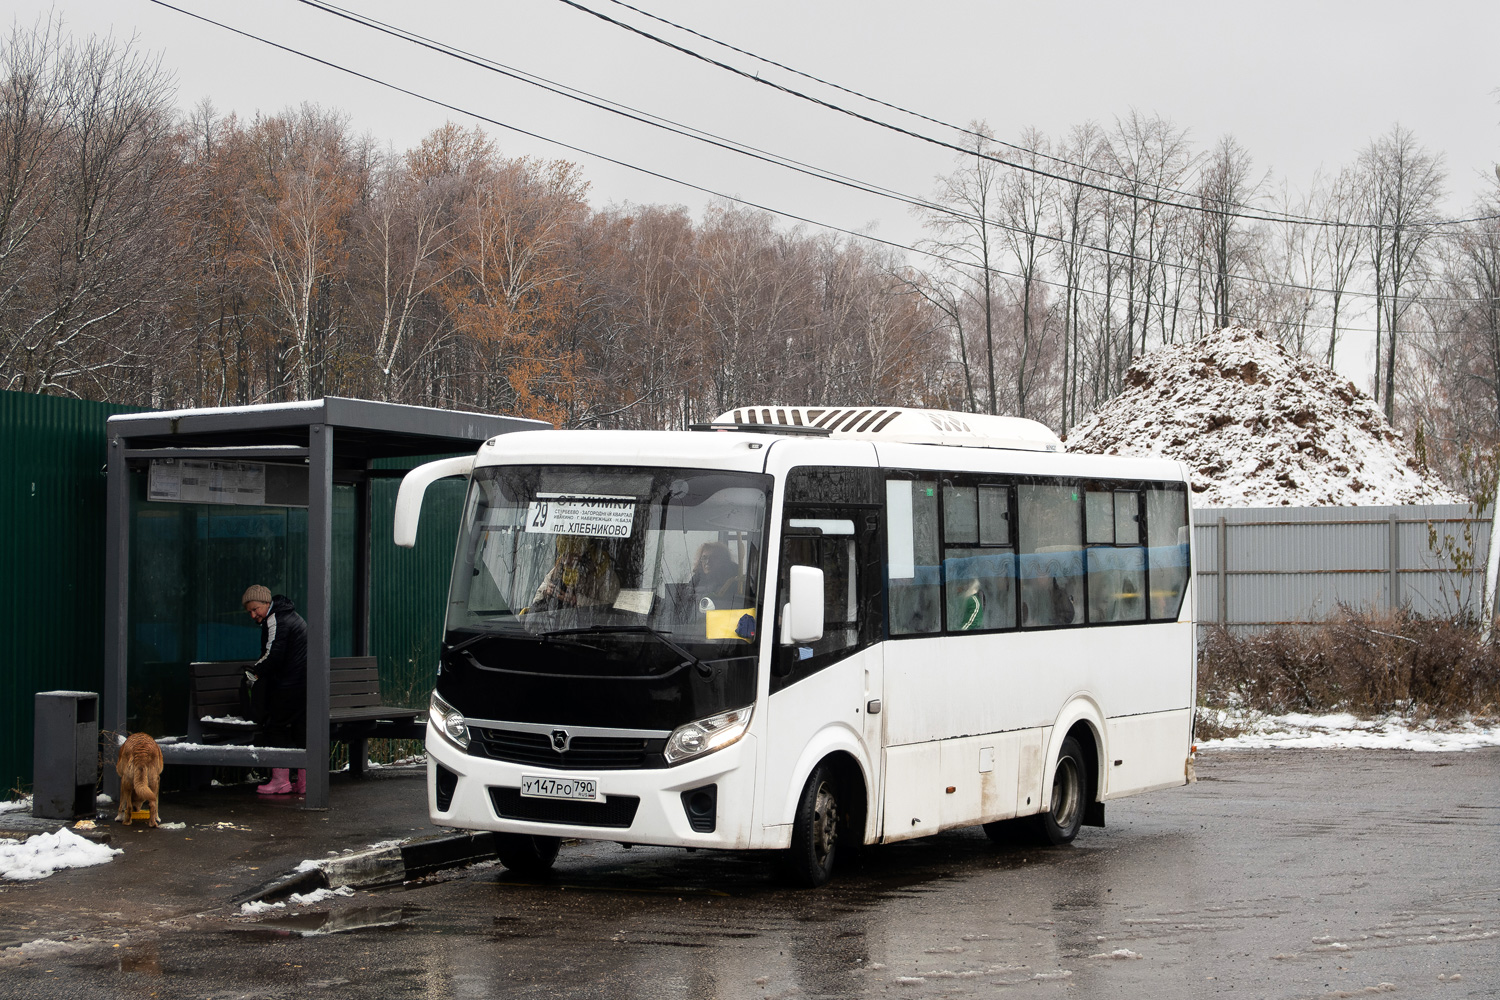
{"points": [[202, 259]]}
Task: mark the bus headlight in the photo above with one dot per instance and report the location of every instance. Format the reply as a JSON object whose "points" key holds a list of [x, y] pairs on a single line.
{"points": [[449, 721], [706, 735]]}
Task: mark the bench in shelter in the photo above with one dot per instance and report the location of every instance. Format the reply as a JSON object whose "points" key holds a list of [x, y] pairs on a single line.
{"points": [[356, 714]]}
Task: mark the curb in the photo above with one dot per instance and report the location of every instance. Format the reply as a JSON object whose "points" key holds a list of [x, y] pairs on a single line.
{"points": [[381, 866]]}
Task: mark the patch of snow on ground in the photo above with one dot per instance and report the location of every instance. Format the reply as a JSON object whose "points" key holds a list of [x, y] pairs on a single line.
{"points": [[256, 907], [45, 853], [1341, 731], [1258, 426], [21, 803], [318, 895], [44, 948]]}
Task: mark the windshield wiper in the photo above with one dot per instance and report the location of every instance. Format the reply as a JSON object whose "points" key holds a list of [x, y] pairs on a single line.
{"points": [[459, 647], [662, 637]]}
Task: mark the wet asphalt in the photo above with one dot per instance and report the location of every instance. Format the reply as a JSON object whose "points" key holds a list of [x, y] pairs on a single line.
{"points": [[1284, 874]]}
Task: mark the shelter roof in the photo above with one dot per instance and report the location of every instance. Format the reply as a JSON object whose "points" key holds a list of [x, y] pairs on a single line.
{"points": [[363, 429]]}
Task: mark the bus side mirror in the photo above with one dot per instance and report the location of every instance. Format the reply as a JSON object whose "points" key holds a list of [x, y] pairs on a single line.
{"points": [[414, 486], [802, 617]]}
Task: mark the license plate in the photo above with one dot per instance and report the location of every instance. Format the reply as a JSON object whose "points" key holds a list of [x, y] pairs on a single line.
{"points": [[581, 789]]}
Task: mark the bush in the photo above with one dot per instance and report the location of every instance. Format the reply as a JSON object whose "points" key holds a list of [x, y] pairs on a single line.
{"points": [[1355, 662]]}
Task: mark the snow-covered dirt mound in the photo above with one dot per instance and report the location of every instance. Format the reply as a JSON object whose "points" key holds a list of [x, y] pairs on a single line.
{"points": [[1259, 427]]}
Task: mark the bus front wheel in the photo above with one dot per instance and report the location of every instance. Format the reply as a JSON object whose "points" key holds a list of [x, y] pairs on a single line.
{"points": [[1059, 823], [815, 830], [526, 855]]}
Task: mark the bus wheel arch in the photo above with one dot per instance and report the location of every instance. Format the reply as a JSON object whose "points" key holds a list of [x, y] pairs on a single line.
{"points": [[1083, 722]]}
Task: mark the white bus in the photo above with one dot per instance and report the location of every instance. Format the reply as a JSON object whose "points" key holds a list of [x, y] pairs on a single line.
{"points": [[806, 630]]}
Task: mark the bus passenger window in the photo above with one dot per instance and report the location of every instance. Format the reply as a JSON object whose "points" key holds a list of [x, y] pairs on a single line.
{"points": [[1116, 559], [1050, 555], [1167, 537], [912, 556], [979, 564], [1099, 517]]}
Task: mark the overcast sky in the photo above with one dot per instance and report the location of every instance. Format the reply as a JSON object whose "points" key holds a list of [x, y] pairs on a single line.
{"points": [[1301, 85]]}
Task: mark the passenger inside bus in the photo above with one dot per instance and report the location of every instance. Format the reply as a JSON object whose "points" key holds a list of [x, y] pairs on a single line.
{"points": [[971, 615], [583, 576]]}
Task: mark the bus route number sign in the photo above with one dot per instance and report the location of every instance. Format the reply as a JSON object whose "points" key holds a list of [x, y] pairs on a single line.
{"points": [[594, 516], [578, 789]]}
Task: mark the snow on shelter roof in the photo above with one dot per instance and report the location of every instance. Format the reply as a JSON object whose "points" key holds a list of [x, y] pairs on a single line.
{"points": [[901, 423]]}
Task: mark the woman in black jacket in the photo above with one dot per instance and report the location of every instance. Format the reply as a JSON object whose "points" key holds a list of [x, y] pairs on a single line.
{"points": [[282, 667]]}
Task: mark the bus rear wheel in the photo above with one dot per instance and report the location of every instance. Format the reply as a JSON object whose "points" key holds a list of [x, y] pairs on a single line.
{"points": [[815, 830], [526, 855], [1060, 822]]}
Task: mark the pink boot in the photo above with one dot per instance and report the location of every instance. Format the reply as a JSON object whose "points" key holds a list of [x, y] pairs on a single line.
{"points": [[299, 787], [280, 783]]}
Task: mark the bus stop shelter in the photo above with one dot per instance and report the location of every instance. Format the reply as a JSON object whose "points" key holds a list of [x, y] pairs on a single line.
{"points": [[274, 454]]}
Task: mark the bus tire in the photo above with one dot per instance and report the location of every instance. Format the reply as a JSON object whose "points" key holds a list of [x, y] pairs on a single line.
{"points": [[815, 830], [1059, 823], [526, 855]]}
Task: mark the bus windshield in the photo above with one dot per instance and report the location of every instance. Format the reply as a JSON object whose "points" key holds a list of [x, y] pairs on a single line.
{"points": [[660, 559]]}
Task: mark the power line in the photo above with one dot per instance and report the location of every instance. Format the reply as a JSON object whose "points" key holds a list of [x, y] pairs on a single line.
{"points": [[627, 111], [868, 237], [730, 145], [829, 105], [1063, 161]]}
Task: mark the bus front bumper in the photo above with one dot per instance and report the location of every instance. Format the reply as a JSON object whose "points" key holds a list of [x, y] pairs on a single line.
{"points": [[668, 808]]}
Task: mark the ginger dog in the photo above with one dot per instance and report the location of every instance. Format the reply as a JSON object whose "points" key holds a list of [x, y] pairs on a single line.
{"points": [[139, 766]]}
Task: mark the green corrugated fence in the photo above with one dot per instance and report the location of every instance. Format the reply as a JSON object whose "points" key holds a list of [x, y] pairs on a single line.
{"points": [[51, 559]]}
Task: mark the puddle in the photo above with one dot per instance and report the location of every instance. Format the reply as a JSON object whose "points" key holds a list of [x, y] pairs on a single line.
{"points": [[356, 918], [141, 958]]}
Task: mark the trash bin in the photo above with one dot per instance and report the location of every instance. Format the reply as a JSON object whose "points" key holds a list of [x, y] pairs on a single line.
{"points": [[66, 754]]}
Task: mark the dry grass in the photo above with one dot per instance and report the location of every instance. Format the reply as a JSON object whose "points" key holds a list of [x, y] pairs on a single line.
{"points": [[1354, 662], [1207, 725]]}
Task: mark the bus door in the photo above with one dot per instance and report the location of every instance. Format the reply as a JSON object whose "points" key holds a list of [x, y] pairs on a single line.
{"points": [[837, 681]]}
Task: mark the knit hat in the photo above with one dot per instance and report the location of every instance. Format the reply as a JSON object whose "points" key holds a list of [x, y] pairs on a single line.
{"points": [[256, 593]]}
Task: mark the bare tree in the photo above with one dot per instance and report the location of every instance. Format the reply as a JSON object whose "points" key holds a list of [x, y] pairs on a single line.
{"points": [[1151, 154], [967, 232], [1404, 183], [402, 239], [1025, 203], [1341, 242], [1225, 186], [1077, 212], [90, 215]]}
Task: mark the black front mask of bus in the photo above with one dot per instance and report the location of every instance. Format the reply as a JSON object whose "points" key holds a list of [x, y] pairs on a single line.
{"points": [[608, 597]]}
